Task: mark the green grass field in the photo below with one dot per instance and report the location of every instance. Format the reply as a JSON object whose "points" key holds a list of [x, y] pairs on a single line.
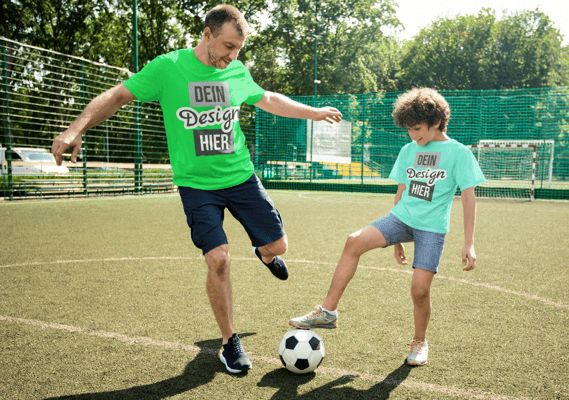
{"points": [[104, 298]]}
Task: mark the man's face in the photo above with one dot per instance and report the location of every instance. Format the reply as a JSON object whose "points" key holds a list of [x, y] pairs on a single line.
{"points": [[224, 48], [422, 134]]}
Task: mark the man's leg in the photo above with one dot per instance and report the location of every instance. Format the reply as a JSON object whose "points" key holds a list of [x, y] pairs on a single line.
{"points": [[219, 289], [220, 296], [271, 250]]}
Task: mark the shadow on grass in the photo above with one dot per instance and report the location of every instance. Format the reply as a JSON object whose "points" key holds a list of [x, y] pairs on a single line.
{"points": [[200, 371], [288, 384]]}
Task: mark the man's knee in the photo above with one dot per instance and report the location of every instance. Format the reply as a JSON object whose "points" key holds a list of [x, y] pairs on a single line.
{"points": [[278, 247], [218, 260]]}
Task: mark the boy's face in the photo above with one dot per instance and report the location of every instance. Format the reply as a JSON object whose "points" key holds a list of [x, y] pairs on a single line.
{"points": [[422, 134], [224, 48]]}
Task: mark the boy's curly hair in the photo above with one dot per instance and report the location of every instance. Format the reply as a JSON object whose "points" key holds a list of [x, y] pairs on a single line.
{"points": [[420, 105]]}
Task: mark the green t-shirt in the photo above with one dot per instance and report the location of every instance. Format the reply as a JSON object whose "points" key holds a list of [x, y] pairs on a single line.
{"points": [[432, 174], [201, 107]]}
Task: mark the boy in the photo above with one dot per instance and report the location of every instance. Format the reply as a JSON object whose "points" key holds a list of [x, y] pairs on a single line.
{"points": [[428, 171]]}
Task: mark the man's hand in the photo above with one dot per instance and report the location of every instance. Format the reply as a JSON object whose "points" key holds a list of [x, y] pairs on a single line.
{"points": [[469, 255], [328, 114], [63, 142], [399, 252]]}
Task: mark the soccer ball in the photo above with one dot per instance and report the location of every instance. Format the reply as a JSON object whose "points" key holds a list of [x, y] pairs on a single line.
{"points": [[301, 351]]}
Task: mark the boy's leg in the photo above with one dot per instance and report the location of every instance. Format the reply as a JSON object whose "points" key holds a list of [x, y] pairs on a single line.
{"points": [[421, 295], [358, 243]]}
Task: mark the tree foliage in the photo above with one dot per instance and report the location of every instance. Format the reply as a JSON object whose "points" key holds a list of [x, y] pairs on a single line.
{"points": [[353, 54], [523, 50]]}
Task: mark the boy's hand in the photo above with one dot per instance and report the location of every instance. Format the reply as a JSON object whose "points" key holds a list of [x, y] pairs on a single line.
{"points": [[400, 256], [468, 254]]}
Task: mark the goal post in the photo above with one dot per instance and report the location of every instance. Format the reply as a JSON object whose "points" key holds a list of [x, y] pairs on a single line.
{"points": [[544, 161], [509, 169]]}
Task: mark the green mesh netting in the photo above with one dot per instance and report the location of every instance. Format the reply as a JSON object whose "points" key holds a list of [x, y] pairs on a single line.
{"points": [[359, 155]]}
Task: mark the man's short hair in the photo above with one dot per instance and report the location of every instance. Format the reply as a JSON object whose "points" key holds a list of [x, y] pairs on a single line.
{"points": [[420, 105], [222, 13]]}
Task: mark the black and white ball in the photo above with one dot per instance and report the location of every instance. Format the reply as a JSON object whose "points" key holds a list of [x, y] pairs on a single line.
{"points": [[301, 350]]}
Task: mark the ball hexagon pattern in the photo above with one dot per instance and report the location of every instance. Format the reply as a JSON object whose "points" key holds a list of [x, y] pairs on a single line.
{"points": [[301, 350]]}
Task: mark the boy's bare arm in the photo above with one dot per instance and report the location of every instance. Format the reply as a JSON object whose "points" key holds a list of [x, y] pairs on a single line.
{"points": [[469, 216], [399, 248], [98, 110]]}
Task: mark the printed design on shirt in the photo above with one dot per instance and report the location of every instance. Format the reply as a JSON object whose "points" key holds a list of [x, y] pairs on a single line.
{"points": [[215, 141], [431, 173]]}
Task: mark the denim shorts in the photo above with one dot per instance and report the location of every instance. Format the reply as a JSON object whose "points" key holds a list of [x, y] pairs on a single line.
{"points": [[248, 202], [428, 245]]}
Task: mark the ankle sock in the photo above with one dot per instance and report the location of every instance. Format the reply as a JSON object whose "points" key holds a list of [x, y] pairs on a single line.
{"points": [[328, 311]]}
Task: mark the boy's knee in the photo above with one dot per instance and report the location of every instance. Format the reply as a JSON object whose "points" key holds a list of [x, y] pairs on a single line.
{"points": [[420, 293], [353, 243]]}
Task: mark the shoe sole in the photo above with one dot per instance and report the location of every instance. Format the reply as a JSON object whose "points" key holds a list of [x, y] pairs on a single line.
{"points": [[415, 363], [234, 371], [333, 325]]}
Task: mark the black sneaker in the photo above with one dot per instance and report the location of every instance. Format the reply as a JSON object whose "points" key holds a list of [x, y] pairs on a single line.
{"points": [[277, 266], [234, 357]]}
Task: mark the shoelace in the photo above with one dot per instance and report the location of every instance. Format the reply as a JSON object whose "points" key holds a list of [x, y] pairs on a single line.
{"points": [[315, 313], [417, 346], [237, 346]]}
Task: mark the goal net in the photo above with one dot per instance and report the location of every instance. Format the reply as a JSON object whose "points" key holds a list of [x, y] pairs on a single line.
{"points": [[544, 158], [509, 169]]}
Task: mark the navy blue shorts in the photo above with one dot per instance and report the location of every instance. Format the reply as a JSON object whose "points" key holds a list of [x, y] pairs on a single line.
{"points": [[248, 202], [428, 245]]}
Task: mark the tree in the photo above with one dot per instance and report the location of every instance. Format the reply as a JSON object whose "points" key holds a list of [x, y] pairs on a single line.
{"points": [[353, 55], [477, 52], [526, 52]]}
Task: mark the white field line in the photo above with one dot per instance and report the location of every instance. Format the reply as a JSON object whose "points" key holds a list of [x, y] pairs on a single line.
{"points": [[462, 281], [147, 341]]}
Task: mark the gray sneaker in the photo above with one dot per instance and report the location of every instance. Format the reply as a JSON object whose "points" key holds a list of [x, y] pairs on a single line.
{"points": [[419, 353], [315, 319]]}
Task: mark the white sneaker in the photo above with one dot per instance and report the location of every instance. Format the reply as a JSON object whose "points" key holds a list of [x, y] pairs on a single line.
{"points": [[419, 353], [315, 319]]}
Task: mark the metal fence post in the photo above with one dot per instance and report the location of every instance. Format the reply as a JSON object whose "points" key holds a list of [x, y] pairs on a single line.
{"points": [[84, 141], [7, 122], [138, 187]]}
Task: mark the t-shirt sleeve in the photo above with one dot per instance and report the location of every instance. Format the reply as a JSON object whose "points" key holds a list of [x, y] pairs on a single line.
{"points": [[147, 84], [467, 170], [398, 173], [255, 91]]}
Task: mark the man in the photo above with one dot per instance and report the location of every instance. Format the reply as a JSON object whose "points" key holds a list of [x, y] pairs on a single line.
{"points": [[201, 91]]}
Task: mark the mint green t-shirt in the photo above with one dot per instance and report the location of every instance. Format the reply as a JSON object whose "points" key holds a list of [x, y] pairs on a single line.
{"points": [[431, 174], [201, 107]]}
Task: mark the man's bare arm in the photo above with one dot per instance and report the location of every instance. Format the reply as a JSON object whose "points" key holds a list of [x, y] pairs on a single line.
{"points": [[98, 110], [283, 106]]}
